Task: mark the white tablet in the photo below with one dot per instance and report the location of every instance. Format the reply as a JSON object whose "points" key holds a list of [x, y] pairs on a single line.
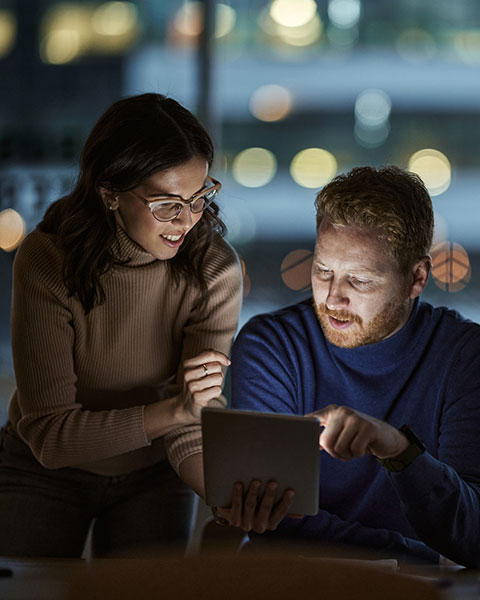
{"points": [[243, 445]]}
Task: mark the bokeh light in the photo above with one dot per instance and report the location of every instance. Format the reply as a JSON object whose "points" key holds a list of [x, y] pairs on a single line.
{"points": [[115, 18], [300, 35], [416, 45], [372, 107], [270, 103], [293, 13], [188, 21], [66, 33], [225, 19], [344, 13], [8, 31], [467, 46], [12, 229], [254, 167], [451, 270], [313, 167], [434, 168], [296, 269]]}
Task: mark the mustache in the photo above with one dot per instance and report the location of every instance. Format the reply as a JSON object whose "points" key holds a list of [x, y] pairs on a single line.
{"points": [[342, 315]]}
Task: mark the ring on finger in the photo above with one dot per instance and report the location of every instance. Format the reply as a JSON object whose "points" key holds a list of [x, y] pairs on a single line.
{"points": [[205, 371]]}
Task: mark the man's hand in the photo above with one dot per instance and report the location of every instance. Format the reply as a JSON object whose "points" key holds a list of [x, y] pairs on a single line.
{"points": [[255, 513], [349, 434]]}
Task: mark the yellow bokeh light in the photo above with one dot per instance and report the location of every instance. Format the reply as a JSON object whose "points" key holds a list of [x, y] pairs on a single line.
{"points": [[12, 229], [254, 167], [66, 33], [225, 19], [61, 46], [313, 167], [8, 31], [115, 18], [434, 168], [467, 44], [293, 13], [188, 20], [303, 35], [270, 102]]}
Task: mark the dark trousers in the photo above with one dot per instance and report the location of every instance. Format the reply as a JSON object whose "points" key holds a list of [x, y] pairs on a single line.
{"points": [[47, 512]]}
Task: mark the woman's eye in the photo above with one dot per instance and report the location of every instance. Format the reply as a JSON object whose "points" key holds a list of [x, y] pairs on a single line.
{"points": [[324, 273]]}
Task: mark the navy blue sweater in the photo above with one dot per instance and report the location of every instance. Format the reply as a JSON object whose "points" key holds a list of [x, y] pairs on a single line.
{"points": [[427, 375]]}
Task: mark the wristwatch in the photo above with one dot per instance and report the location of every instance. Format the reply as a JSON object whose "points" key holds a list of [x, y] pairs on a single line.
{"points": [[395, 464]]}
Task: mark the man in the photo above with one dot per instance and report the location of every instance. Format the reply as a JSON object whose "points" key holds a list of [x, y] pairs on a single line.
{"points": [[394, 382]]}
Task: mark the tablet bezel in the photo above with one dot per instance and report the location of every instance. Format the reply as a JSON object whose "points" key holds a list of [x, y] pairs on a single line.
{"points": [[240, 445]]}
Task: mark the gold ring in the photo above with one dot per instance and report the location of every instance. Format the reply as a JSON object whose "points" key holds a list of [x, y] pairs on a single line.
{"points": [[205, 373]]}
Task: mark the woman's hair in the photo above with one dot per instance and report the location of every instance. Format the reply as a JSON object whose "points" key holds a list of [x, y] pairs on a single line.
{"points": [[392, 202], [135, 138]]}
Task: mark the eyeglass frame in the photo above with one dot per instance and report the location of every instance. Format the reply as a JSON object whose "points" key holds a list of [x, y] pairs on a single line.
{"points": [[174, 199]]}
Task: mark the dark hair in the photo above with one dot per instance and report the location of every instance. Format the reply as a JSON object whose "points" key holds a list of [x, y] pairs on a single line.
{"points": [[391, 201], [135, 138]]}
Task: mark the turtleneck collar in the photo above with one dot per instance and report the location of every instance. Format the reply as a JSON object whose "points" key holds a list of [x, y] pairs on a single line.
{"points": [[381, 355], [129, 252]]}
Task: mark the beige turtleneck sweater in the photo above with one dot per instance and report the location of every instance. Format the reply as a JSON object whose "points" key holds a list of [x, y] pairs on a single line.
{"points": [[83, 381]]}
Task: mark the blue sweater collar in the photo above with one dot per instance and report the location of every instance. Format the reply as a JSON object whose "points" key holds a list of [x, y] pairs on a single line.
{"points": [[381, 355]]}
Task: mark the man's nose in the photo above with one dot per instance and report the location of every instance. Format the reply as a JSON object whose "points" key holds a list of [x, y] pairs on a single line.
{"points": [[337, 297]]}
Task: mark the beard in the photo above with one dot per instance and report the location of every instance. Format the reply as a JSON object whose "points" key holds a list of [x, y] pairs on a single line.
{"points": [[386, 322]]}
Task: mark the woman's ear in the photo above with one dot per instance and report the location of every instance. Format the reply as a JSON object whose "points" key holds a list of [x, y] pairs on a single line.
{"points": [[420, 273], [109, 198]]}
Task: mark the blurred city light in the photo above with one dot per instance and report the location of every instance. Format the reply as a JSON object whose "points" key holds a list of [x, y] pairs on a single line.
{"points": [[67, 33], [8, 31], [313, 167], [115, 18], [416, 45], [270, 103], [225, 19], [12, 229], [342, 39], [296, 269], [254, 167], [372, 107], [188, 21], [467, 45], [344, 13], [293, 13], [451, 268], [433, 168]]}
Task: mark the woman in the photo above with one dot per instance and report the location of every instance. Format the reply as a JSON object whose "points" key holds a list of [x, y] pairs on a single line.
{"points": [[125, 303]]}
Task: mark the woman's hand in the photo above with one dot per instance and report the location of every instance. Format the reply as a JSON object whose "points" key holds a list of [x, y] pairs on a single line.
{"points": [[203, 377], [257, 513]]}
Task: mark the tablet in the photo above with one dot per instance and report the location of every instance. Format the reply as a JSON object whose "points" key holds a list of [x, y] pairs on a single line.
{"points": [[243, 445]]}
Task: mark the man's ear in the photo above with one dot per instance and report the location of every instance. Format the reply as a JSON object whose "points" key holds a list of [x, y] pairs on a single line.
{"points": [[420, 273], [109, 198]]}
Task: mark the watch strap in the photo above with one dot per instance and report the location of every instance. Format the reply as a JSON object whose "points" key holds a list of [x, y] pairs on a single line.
{"points": [[395, 464]]}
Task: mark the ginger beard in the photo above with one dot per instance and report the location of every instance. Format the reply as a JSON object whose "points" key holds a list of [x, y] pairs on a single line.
{"points": [[385, 323]]}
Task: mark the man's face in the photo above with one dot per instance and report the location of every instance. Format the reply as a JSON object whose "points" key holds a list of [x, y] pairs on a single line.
{"points": [[360, 294]]}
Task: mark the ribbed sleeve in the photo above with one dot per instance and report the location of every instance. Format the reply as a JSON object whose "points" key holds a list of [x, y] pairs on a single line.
{"points": [[83, 381]]}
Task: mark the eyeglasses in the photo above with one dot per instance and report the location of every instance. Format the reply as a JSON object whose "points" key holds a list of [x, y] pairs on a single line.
{"points": [[167, 208]]}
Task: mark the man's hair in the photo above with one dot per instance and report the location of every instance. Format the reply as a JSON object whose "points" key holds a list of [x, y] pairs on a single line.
{"points": [[392, 202]]}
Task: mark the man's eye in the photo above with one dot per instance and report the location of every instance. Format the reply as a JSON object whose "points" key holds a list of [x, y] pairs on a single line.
{"points": [[360, 283], [324, 273]]}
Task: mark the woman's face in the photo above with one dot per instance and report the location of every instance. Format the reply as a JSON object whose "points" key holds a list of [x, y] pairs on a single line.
{"points": [[162, 239]]}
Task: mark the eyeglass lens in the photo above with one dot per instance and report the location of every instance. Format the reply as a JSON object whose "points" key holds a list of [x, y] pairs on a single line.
{"points": [[166, 211]]}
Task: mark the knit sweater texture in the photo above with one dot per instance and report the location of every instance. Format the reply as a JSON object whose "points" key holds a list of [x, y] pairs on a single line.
{"points": [[83, 381], [427, 375]]}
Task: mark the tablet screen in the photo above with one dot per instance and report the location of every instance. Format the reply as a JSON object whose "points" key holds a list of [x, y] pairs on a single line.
{"points": [[244, 445]]}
